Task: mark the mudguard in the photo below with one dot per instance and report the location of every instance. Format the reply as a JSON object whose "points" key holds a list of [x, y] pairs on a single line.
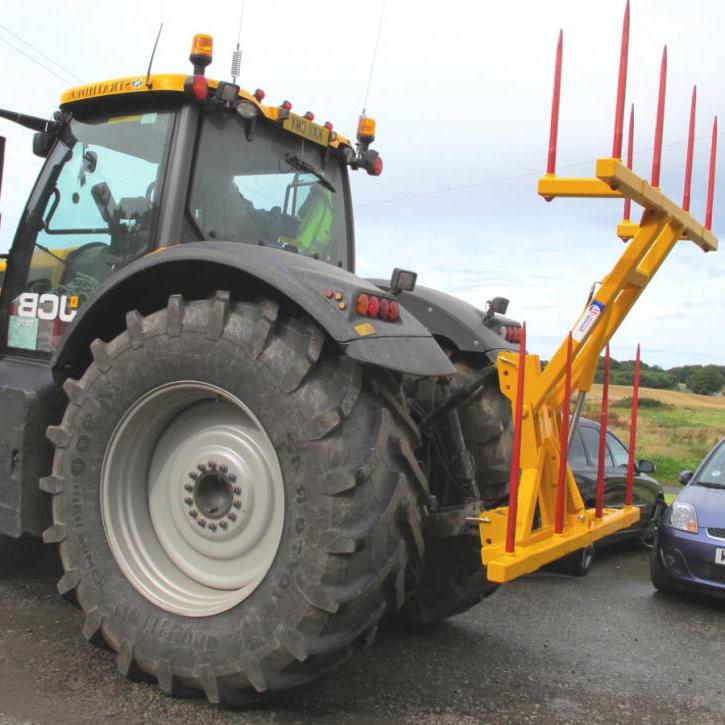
{"points": [[454, 320], [326, 293]]}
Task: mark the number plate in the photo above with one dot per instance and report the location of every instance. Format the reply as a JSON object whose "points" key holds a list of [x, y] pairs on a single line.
{"points": [[306, 129], [720, 556]]}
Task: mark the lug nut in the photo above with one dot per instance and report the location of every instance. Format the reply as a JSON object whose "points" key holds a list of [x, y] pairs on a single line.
{"points": [[188, 487], [212, 465], [193, 513], [237, 504], [232, 516], [223, 524], [194, 475], [188, 500], [212, 527], [223, 468], [232, 477], [237, 490], [201, 467], [202, 523]]}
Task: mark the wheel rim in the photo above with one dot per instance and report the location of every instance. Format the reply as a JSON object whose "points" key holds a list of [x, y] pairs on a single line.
{"points": [[192, 498], [587, 557]]}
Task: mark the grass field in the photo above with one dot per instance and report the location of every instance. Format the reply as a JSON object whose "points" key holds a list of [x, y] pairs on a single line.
{"points": [[674, 430]]}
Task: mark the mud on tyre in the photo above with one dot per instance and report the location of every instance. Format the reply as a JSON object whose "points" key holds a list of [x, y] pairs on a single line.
{"points": [[210, 397]]}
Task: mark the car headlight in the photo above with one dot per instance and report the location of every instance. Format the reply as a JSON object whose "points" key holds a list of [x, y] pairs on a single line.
{"points": [[684, 517]]}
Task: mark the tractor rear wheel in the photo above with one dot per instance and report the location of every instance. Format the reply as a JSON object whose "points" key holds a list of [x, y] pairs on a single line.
{"points": [[454, 577], [236, 502]]}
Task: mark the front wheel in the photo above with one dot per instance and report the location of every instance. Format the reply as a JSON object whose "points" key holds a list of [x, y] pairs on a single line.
{"points": [[236, 503]]}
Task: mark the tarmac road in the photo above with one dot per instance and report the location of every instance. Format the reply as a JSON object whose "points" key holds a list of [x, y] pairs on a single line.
{"points": [[546, 649]]}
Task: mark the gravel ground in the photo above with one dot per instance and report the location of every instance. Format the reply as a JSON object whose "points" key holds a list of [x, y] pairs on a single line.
{"points": [[604, 648]]}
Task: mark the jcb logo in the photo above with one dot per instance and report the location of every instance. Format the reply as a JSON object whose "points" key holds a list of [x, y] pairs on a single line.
{"points": [[47, 306]]}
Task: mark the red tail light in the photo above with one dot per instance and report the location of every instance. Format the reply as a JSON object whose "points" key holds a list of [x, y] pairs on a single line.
{"points": [[309, 116], [377, 167], [512, 334], [286, 105], [380, 307], [259, 94], [328, 125]]}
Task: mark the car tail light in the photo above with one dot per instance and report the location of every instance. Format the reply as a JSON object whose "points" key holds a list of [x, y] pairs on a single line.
{"points": [[197, 87], [373, 306], [393, 310], [383, 309]]}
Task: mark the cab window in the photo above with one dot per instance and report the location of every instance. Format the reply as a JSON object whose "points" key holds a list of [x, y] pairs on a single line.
{"points": [[277, 189], [92, 211]]}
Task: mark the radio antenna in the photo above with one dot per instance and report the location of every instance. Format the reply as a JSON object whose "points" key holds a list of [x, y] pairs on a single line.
{"points": [[375, 55], [153, 53], [237, 54]]}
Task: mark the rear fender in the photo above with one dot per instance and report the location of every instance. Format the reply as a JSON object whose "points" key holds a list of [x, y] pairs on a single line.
{"points": [[451, 319], [198, 269]]}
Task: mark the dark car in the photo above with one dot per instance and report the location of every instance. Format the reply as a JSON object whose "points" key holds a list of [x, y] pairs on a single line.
{"points": [[647, 494], [689, 550]]}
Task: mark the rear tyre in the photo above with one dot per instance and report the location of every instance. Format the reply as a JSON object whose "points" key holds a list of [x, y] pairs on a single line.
{"points": [[241, 416], [455, 578]]}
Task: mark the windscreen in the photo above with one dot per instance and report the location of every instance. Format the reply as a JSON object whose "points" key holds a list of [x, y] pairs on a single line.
{"points": [[93, 211], [269, 187], [713, 472]]}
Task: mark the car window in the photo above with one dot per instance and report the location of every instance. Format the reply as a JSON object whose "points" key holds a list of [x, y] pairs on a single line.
{"points": [[620, 456], [591, 443], [577, 454]]}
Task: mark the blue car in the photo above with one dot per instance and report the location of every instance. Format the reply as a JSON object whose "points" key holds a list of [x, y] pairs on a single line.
{"points": [[689, 550]]}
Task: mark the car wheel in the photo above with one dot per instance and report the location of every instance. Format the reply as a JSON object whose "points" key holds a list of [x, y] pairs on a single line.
{"points": [[658, 576], [577, 564], [646, 538]]}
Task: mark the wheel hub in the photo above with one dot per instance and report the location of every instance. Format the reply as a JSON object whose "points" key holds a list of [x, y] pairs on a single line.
{"points": [[213, 497]]}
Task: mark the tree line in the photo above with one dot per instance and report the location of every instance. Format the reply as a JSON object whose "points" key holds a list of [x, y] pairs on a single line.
{"points": [[701, 379]]}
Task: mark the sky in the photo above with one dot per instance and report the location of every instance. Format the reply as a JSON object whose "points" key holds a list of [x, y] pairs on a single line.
{"points": [[461, 93]]}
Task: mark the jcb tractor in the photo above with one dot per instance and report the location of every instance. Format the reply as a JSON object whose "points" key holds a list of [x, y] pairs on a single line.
{"points": [[254, 456]]}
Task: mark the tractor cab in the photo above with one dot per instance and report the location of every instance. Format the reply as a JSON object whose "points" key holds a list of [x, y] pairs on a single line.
{"points": [[138, 164]]}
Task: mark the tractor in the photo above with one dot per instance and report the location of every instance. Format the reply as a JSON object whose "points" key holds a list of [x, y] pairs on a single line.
{"points": [[248, 457]]}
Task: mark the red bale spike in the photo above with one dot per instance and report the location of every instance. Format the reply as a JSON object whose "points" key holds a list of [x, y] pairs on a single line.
{"points": [[599, 491], [632, 433], [659, 125], [555, 99], [516, 447], [621, 87], [690, 152], [564, 451], [711, 177], [630, 152]]}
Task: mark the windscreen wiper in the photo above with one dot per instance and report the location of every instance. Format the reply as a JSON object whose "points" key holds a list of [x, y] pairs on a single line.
{"points": [[710, 484], [308, 168]]}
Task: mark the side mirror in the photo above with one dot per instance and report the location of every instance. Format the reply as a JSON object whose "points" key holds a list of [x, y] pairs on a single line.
{"points": [[685, 477], [646, 466], [42, 142]]}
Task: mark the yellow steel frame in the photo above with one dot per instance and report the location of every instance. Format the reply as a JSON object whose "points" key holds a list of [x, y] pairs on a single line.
{"points": [[663, 223]]}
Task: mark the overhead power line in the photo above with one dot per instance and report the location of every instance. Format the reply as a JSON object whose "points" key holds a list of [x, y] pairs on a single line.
{"points": [[37, 62], [501, 179], [69, 73]]}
